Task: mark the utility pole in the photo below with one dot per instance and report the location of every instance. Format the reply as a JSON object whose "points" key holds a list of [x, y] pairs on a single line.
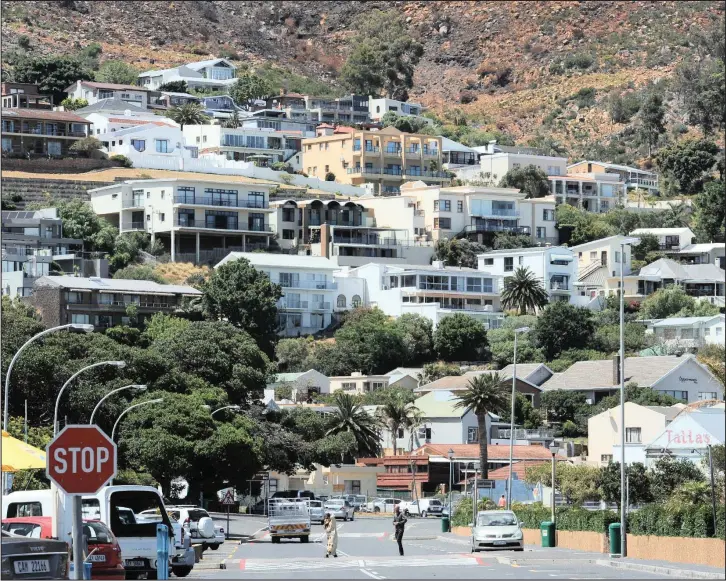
{"points": [[713, 490]]}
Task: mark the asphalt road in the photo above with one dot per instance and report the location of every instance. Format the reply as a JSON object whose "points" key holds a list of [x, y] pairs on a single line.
{"points": [[366, 550]]}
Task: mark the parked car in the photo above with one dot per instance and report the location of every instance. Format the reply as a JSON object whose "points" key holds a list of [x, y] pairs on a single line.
{"points": [[340, 509], [422, 507], [496, 529], [182, 565], [33, 558], [103, 547], [317, 512], [357, 501], [198, 525], [383, 504]]}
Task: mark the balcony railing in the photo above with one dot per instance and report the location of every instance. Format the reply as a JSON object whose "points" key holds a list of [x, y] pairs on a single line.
{"points": [[370, 149], [44, 132], [392, 151], [318, 306], [431, 152], [675, 246], [212, 226], [369, 240], [208, 201], [523, 434], [425, 174], [396, 172], [497, 228], [137, 203], [643, 182], [133, 226], [307, 284], [559, 286], [466, 307]]}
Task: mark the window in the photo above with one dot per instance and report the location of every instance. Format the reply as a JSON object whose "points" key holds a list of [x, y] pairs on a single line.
{"points": [[460, 206], [541, 232], [617, 257], [74, 298], [488, 262], [290, 280], [23, 509], [288, 214], [80, 319], [218, 197], [162, 146], [509, 264], [488, 287], [162, 216], [356, 301], [472, 435], [473, 285], [606, 458], [442, 223], [288, 234], [702, 395], [340, 302], [424, 433], [401, 433], [520, 260], [632, 435], [548, 215], [678, 394], [138, 144], [442, 206], [348, 386]]}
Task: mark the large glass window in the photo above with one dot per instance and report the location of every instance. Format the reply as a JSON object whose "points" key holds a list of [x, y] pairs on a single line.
{"points": [[219, 197], [508, 264], [185, 195], [442, 223], [408, 280], [289, 279], [442, 205], [256, 200], [288, 214], [162, 146], [487, 285], [221, 220], [78, 319], [256, 222], [430, 282], [473, 285]]}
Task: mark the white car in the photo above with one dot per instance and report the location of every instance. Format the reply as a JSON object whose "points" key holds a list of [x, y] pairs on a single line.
{"points": [[383, 504], [340, 509], [496, 529], [316, 510], [198, 525], [422, 507]]}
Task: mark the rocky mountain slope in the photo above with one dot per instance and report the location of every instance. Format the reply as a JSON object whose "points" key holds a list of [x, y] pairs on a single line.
{"points": [[506, 64]]}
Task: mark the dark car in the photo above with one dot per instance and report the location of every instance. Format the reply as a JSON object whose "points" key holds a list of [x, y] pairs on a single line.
{"points": [[25, 558]]}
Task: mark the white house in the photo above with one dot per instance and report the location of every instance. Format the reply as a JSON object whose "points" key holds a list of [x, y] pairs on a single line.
{"points": [[669, 239], [599, 264], [538, 216], [708, 253], [689, 331], [593, 192], [209, 74], [378, 107], [496, 160], [555, 266], [244, 143], [94, 92], [304, 384], [703, 282], [358, 383], [141, 143], [632, 177], [309, 289], [198, 221]]}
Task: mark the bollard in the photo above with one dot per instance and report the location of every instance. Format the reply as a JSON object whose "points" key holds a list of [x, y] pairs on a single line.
{"points": [[162, 551], [87, 570]]}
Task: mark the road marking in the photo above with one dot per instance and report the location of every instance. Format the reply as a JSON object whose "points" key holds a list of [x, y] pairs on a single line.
{"points": [[242, 562], [371, 574]]}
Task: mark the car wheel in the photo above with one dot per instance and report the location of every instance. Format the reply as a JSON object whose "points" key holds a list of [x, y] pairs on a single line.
{"points": [[352, 517], [205, 546], [377, 509], [181, 571], [423, 514], [345, 518], [214, 547], [275, 540], [522, 549], [304, 539]]}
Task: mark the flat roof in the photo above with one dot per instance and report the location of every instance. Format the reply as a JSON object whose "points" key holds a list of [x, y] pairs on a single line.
{"points": [[293, 261], [115, 284]]}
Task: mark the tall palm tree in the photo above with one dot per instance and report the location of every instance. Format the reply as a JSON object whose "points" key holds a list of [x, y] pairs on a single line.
{"points": [[188, 114], [524, 291], [398, 414], [485, 394], [349, 416], [676, 216]]}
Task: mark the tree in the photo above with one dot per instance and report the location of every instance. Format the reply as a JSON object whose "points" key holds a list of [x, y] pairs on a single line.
{"points": [[80, 221], [673, 301], [398, 414], [405, 123], [501, 342], [524, 292], [249, 87], [508, 240], [460, 337], [524, 413], [485, 394], [238, 293], [117, 72], [234, 121], [174, 87], [639, 483], [139, 272], [86, 146], [188, 114], [433, 371], [710, 212], [351, 417], [71, 104], [668, 474], [458, 252], [687, 164], [648, 243], [292, 354], [563, 326], [584, 226], [361, 72], [417, 336], [561, 405], [52, 74], [714, 357], [676, 216], [530, 180], [651, 120]]}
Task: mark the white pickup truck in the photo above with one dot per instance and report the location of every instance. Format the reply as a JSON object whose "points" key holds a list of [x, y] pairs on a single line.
{"points": [[289, 518]]}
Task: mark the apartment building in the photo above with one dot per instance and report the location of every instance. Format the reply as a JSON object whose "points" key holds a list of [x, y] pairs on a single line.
{"points": [[214, 74], [496, 160], [24, 95], [351, 109], [593, 192], [703, 282], [689, 332], [708, 253], [598, 269], [433, 291], [40, 132], [384, 159], [457, 154], [94, 92], [669, 239], [555, 266], [275, 120], [104, 302], [114, 114], [198, 221], [380, 106], [632, 177], [538, 216]]}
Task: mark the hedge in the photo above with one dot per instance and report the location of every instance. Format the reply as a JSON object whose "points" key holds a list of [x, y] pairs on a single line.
{"points": [[568, 519]]}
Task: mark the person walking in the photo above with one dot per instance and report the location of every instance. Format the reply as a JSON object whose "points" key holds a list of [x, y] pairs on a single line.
{"points": [[502, 502], [399, 524], [331, 529]]}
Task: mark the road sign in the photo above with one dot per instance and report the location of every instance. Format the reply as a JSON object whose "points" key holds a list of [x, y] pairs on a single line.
{"points": [[81, 459], [228, 497]]}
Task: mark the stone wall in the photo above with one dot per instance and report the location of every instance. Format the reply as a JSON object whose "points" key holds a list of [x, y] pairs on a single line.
{"points": [[66, 165]]}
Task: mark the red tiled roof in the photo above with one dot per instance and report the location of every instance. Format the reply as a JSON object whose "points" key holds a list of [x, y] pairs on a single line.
{"points": [[519, 468], [397, 482], [44, 114], [394, 460], [325, 126], [494, 452]]}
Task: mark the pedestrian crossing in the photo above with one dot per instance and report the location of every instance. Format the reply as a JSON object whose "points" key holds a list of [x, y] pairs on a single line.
{"points": [[272, 565]]}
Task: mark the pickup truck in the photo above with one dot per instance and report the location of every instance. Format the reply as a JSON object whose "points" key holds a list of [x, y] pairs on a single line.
{"points": [[289, 519], [422, 507]]}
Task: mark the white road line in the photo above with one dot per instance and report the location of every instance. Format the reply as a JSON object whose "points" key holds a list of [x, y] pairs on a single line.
{"points": [[371, 574]]}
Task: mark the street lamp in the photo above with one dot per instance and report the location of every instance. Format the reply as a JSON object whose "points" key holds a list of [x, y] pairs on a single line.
{"points": [[227, 407], [119, 364], [70, 327], [625, 242], [450, 454], [554, 448], [128, 409], [110, 393], [511, 418]]}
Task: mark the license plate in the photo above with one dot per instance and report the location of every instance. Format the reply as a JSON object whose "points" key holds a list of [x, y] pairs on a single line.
{"points": [[32, 566], [136, 563], [97, 558], [500, 543]]}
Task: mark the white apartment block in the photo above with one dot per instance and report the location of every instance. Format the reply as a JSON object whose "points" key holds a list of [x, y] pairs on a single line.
{"points": [[496, 160], [432, 291], [379, 107], [309, 290], [669, 239], [142, 142], [689, 331], [555, 266], [198, 221], [593, 192], [208, 74], [538, 216], [632, 177], [94, 92], [598, 269]]}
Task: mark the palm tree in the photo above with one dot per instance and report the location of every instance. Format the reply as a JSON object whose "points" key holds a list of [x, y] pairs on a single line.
{"points": [[234, 121], [349, 416], [524, 291], [485, 394], [188, 114], [676, 216], [398, 414]]}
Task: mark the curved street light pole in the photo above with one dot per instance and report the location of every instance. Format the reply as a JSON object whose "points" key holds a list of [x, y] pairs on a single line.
{"points": [[110, 393], [511, 418], [128, 409], [78, 327], [119, 364], [227, 407]]}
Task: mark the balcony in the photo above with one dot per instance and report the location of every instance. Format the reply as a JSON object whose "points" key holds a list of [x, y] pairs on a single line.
{"points": [[373, 240], [209, 201], [648, 183], [497, 213], [213, 226], [559, 286], [471, 228], [522, 434], [133, 226], [307, 284], [431, 152], [425, 174], [392, 152], [368, 149], [137, 203], [41, 131], [318, 306]]}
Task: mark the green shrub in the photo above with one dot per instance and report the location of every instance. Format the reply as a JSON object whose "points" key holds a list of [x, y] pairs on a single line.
{"points": [[568, 519], [688, 521], [463, 512], [585, 97], [122, 159], [581, 60]]}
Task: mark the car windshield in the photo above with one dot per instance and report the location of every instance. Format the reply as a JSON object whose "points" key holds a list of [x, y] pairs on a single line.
{"points": [[435, 502], [23, 529], [315, 504], [97, 533], [496, 520]]}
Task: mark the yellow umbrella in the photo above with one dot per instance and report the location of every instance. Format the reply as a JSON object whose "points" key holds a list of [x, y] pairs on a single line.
{"points": [[18, 455]]}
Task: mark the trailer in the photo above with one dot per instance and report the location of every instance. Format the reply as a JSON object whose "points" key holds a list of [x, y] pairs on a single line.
{"points": [[289, 519]]}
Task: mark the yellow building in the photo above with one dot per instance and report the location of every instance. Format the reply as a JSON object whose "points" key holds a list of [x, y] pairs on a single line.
{"points": [[386, 158]]}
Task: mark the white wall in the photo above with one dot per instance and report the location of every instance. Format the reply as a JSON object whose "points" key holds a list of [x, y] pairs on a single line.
{"points": [[691, 378]]}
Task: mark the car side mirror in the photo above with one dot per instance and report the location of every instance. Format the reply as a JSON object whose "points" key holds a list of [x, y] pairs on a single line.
{"points": [[521, 523]]}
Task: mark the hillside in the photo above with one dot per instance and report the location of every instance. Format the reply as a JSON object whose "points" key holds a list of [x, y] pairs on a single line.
{"points": [[507, 63]]}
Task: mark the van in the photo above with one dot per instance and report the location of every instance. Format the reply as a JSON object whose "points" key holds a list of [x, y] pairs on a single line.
{"points": [[117, 507]]}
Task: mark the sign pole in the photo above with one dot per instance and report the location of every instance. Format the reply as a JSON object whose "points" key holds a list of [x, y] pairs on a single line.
{"points": [[77, 534], [227, 529]]}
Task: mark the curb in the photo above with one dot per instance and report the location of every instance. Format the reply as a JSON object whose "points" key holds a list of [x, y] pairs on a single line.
{"points": [[660, 570]]}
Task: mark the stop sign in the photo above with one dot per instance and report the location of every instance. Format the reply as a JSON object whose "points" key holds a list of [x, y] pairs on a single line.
{"points": [[81, 459]]}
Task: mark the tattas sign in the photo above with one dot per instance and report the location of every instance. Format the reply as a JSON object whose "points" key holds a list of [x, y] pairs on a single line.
{"points": [[81, 459]]}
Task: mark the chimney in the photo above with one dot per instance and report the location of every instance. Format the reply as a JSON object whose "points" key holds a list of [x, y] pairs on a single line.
{"points": [[616, 370]]}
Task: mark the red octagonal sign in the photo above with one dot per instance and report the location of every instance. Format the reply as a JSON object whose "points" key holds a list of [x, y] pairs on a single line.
{"points": [[81, 459]]}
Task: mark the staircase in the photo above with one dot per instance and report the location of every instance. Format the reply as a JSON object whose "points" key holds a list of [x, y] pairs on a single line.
{"points": [[589, 269], [37, 190]]}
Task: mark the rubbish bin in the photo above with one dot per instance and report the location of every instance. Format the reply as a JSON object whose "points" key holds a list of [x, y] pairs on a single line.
{"points": [[547, 533], [614, 534], [444, 524]]}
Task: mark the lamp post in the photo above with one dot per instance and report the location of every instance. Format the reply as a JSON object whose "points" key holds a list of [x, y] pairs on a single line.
{"points": [[450, 454], [71, 327], [511, 418], [119, 364], [128, 409], [110, 393], [554, 448], [227, 407]]}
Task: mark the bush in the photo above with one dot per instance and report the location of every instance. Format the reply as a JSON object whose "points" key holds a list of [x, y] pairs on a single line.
{"points": [[123, 160], [688, 521], [463, 512], [330, 177], [579, 61], [86, 146], [568, 519], [585, 97]]}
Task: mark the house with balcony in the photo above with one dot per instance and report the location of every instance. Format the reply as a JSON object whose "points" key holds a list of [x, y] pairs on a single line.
{"points": [[708, 253], [94, 92], [104, 302], [348, 109], [688, 332], [592, 192], [168, 99], [669, 239], [457, 154], [378, 107], [24, 95], [358, 383], [384, 159], [213, 74], [308, 287], [199, 221], [538, 216], [555, 266], [633, 177], [40, 132], [109, 115], [703, 282], [271, 120], [598, 269]]}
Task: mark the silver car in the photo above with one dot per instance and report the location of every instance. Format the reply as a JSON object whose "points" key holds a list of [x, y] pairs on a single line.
{"points": [[317, 513], [496, 529], [341, 509]]}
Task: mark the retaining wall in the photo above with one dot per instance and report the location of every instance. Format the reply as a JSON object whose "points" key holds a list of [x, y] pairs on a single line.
{"points": [[65, 165]]}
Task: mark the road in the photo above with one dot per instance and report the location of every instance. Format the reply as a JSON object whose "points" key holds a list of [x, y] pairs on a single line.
{"points": [[366, 550]]}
